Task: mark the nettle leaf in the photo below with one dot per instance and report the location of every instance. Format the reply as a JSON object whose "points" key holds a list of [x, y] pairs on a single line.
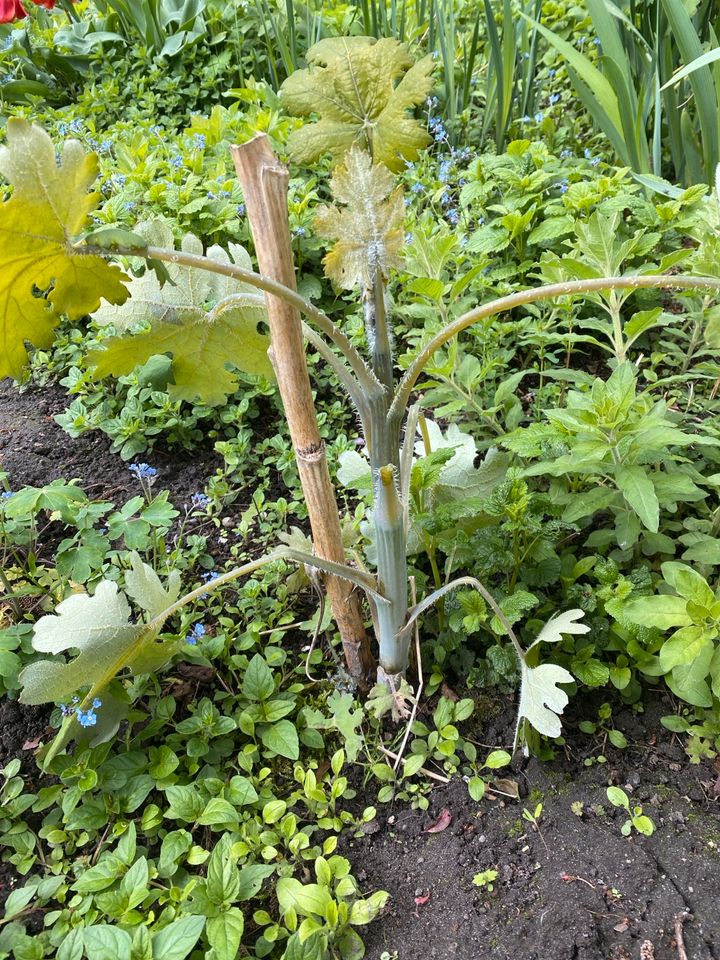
{"points": [[204, 320], [49, 206], [368, 227], [352, 85]]}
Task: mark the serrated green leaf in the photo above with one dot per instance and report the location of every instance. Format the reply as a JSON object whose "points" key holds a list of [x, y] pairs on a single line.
{"points": [[368, 227], [352, 85], [205, 321], [635, 484], [49, 206]]}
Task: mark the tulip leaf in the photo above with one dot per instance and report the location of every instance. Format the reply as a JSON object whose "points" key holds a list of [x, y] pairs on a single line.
{"points": [[48, 208]]}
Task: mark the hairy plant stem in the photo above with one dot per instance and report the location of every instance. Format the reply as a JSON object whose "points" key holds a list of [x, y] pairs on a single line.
{"points": [[548, 292]]}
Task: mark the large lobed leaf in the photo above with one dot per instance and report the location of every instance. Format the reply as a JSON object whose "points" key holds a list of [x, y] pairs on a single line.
{"points": [[99, 628], [352, 84], [368, 227], [205, 320], [49, 206]]}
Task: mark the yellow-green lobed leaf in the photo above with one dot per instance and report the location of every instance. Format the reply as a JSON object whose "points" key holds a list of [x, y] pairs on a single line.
{"points": [[49, 206], [368, 227], [204, 320], [352, 84]]}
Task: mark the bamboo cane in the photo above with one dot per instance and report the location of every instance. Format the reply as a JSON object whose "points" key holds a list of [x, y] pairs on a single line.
{"points": [[265, 182]]}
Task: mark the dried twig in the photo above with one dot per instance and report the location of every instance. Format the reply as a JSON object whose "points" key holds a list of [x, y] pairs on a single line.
{"points": [[428, 773], [680, 919]]}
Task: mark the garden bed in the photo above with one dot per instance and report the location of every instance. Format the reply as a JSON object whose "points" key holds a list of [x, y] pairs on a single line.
{"points": [[575, 889]]}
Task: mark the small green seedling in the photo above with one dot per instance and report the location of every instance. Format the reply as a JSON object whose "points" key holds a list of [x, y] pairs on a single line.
{"points": [[532, 819], [486, 879], [643, 824]]}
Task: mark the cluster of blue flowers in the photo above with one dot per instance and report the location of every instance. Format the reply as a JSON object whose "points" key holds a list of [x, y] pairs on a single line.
{"points": [[200, 501], [437, 129], [197, 633], [199, 141], [86, 718], [75, 126], [143, 471], [6, 494], [176, 161]]}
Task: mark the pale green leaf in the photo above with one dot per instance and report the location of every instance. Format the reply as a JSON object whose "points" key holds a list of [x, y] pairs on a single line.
{"points": [[566, 622], [541, 700], [685, 646], [662, 612], [49, 206], [206, 322]]}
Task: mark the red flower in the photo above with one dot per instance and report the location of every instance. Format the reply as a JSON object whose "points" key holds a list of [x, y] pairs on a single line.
{"points": [[12, 10], [48, 4]]}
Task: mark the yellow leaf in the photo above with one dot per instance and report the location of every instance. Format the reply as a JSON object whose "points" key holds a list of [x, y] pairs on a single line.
{"points": [[49, 206]]}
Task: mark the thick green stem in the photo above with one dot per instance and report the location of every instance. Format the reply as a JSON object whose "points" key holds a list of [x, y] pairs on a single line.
{"points": [[377, 331], [391, 571]]}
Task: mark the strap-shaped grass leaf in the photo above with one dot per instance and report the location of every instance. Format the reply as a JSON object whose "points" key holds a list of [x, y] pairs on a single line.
{"points": [[99, 628], [204, 320], [368, 227], [353, 86], [49, 206]]}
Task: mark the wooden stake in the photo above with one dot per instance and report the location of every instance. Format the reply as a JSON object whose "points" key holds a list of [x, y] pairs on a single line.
{"points": [[265, 183]]}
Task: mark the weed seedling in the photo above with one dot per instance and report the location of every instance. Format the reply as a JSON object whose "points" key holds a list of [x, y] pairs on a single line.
{"points": [[486, 880], [636, 819]]}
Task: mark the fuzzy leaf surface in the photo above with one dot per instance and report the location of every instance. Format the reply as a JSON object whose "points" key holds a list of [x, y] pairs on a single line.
{"points": [[565, 622], [204, 320], [541, 699], [367, 223], [100, 629], [49, 207], [352, 84]]}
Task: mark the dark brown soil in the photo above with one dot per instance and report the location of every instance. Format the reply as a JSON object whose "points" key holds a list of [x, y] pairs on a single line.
{"points": [[575, 890], [21, 727], [34, 450]]}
